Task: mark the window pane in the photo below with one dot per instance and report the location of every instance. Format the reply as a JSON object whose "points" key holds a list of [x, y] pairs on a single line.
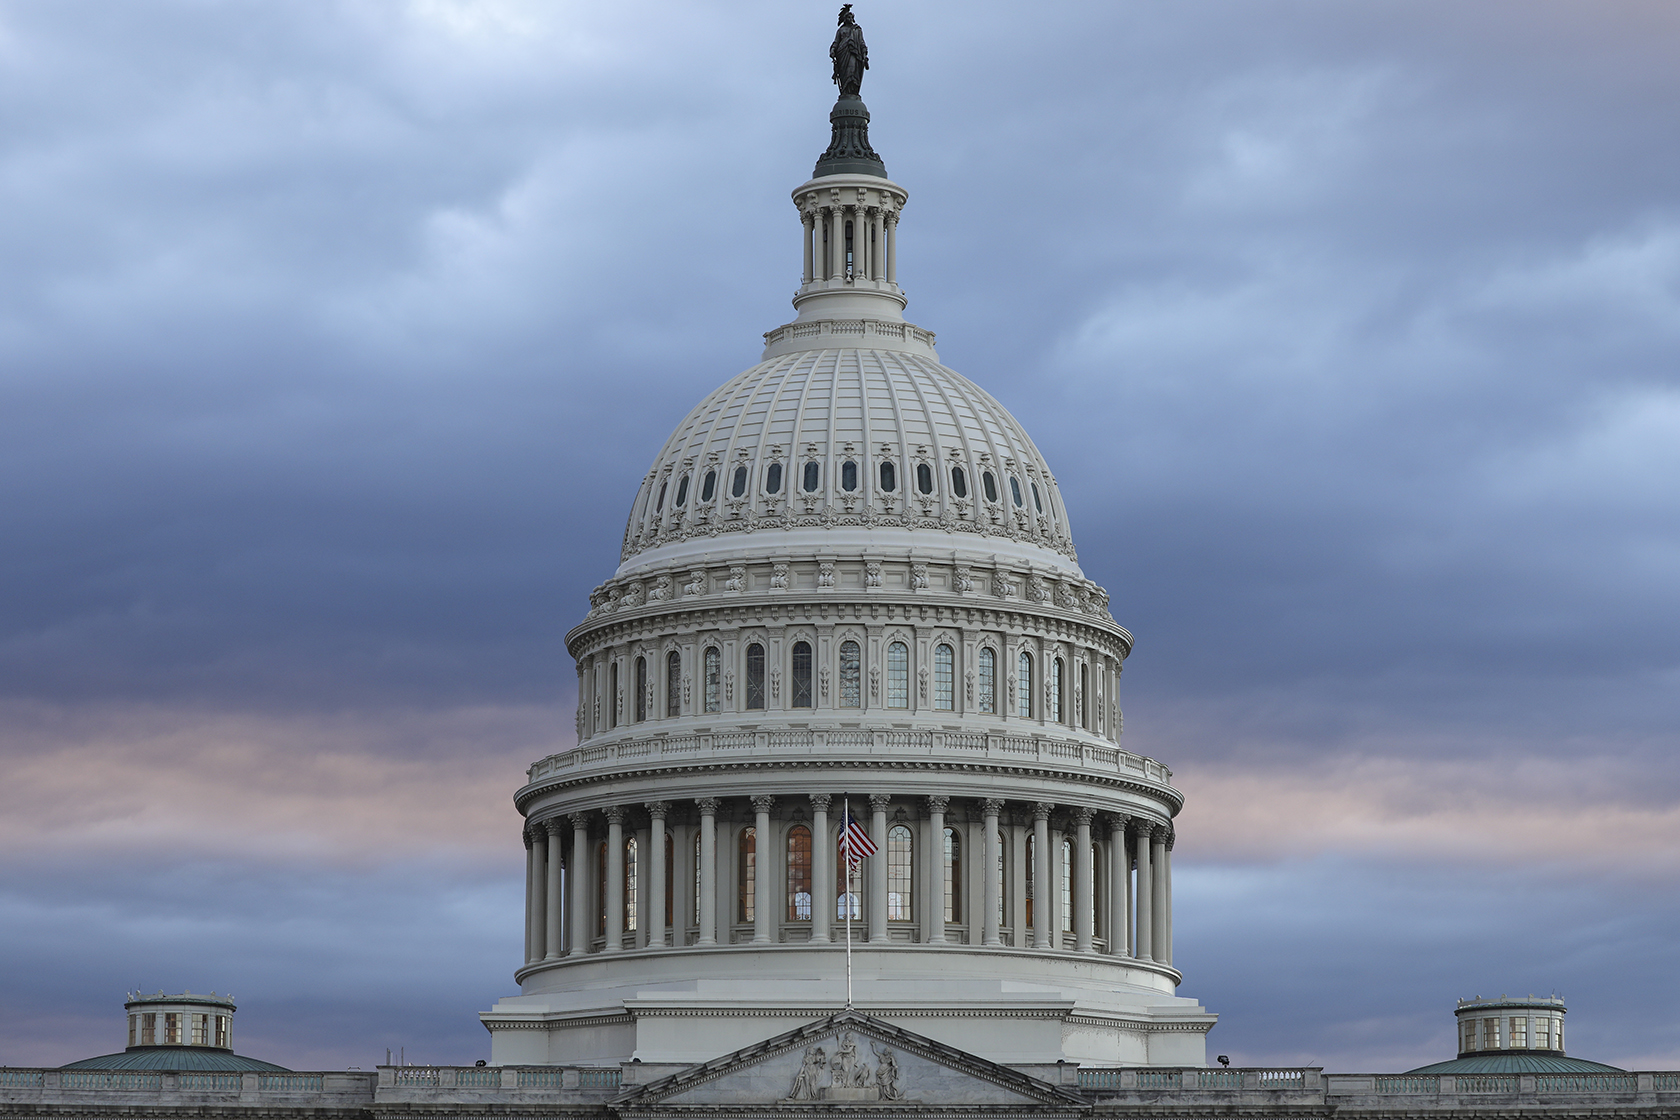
{"points": [[899, 869], [709, 486], [813, 475], [660, 504], [1023, 683], [987, 694], [641, 689], [1055, 713], [612, 696], [1038, 503], [944, 672], [889, 477], [848, 900], [632, 881], [773, 479], [802, 674], [682, 491], [959, 482], [848, 476], [747, 874], [953, 875], [989, 484], [738, 487], [755, 677], [714, 680], [898, 675], [924, 478], [695, 919], [673, 683], [851, 676], [799, 874], [1015, 490], [1067, 885]]}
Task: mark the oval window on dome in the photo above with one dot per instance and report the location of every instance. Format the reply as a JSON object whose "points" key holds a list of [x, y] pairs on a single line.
{"points": [[660, 504], [1015, 490], [773, 479], [682, 492], [889, 477], [959, 482], [924, 478], [813, 476], [1038, 503], [848, 476], [989, 485], [709, 486], [738, 488]]}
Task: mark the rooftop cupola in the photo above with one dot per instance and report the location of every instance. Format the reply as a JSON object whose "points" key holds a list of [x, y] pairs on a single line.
{"points": [[849, 208]]}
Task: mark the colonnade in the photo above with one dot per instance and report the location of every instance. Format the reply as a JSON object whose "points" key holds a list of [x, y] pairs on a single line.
{"points": [[874, 243], [765, 869]]}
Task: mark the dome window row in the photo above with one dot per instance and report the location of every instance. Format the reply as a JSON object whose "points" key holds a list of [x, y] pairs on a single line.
{"points": [[811, 483]]}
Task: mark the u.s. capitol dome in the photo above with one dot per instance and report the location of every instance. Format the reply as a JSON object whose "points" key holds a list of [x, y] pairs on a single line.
{"points": [[848, 583]]}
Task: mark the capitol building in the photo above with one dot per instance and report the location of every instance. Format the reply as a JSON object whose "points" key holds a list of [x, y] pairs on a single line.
{"points": [[849, 617]]}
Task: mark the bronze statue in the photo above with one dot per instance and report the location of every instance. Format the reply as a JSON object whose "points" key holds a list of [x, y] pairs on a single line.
{"points": [[850, 54]]}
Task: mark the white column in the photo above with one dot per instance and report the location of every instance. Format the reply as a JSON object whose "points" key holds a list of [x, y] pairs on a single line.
{"points": [[936, 864], [583, 873], [808, 224], [1158, 884], [1165, 950], [530, 888], [552, 922], [878, 869], [992, 902], [1119, 888], [1083, 884], [615, 879], [708, 870], [1044, 888], [823, 892], [764, 914], [654, 889], [892, 248], [836, 242], [539, 891], [1144, 948]]}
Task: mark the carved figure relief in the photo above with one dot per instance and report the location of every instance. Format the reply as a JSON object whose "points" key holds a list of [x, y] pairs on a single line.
{"points": [[737, 580], [921, 682], [775, 681], [661, 589], [1001, 585], [822, 681], [808, 1082], [918, 577], [962, 580], [696, 584], [871, 574], [728, 685], [779, 577], [687, 689], [887, 1077], [875, 682], [825, 575], [1037, 590]]}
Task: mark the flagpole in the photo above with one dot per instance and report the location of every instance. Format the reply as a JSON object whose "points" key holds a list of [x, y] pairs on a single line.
{"points": [[847, 818]]}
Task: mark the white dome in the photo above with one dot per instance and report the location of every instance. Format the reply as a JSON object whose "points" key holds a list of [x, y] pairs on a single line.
{"points": [[820, 444]]}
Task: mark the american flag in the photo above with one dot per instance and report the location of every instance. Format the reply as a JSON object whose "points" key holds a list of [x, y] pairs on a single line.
{"points": [[855, 842]]}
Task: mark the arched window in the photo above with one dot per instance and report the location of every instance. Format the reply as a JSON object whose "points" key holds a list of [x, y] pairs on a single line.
{"points": [[641, 689], [1067, 885], [1038, 503], [738, 488], [1084, 695], [849, 243], [989, 485], [944, 678], [924, 478], [660, 504], [799, 874], [632, 882], [1024, 686], [900, 862], [695, 919], [802, 674], [714, 679], [959, 482], [1054, 715], [755, 678], [670, 881], [1015, 490], [612, 695], [673, 684], [898, 675], [682, 491], [773, 479], [848, 900], [986, 693], [851, 675], [1032, 874], [601, 891], [813, 477], [953, 875], [848, 476], [1003, 878], [746, 875], [709, 486], [889, 477]]}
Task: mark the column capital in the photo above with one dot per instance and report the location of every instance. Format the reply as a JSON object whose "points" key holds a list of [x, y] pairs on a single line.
{"points": [[762, 802], [819, 801], [1160, 833], [1082, 816], [880, 801], [553, 826], [708, 805], [1042, 809], [1143, 828], [1172, 834], [529, 833], [657, 808], [615, 814], [1117, 822], [992, 805], [579, 821], [937, 803]]}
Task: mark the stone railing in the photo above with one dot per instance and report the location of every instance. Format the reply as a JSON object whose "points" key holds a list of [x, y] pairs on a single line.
{"points": [[122, 1086], [1100, 1082], [409, 1081], [655, 748]]}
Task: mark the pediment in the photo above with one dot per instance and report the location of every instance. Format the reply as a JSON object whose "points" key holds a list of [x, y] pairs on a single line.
{"points": [[849, 1061]]}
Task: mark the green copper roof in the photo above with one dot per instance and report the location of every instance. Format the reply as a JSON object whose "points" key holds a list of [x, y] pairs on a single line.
{"points": [[1516, 1061], [178, 1058]]}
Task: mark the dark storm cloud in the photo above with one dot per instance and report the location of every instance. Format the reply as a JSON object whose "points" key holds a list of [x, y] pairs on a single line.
{"points": [[334, 341]]}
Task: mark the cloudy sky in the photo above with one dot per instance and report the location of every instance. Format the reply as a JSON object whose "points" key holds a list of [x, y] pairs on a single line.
{"points": [[336, 336]]}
